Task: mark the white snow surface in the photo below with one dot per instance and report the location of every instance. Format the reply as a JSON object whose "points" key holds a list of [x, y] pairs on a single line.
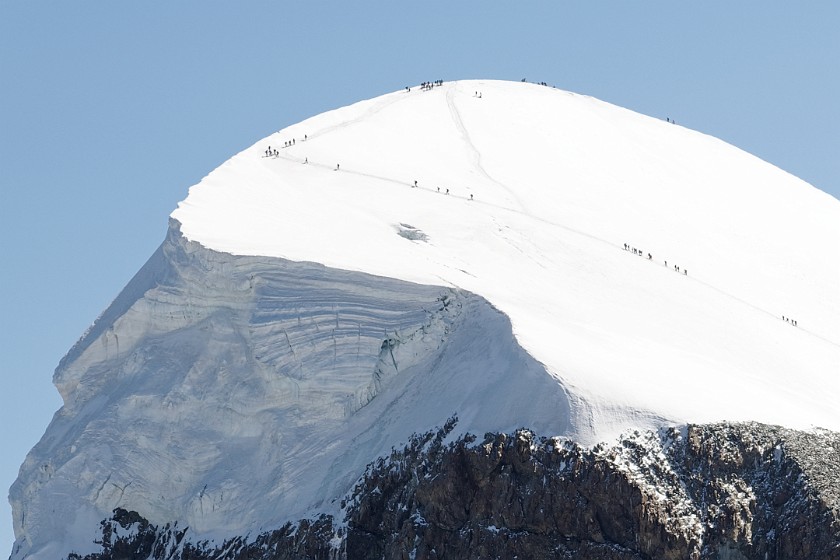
{"points": [[300, 320], [561, 182]]}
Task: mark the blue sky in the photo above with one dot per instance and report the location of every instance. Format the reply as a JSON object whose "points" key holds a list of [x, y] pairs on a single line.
{"points": [[109, 111]]}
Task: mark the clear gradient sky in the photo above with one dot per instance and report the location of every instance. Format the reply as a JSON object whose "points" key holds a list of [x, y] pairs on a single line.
{"points": [[111, 110]]}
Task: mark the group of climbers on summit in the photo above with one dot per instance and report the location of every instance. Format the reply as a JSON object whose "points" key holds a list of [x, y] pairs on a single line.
{"points": [[426, 85]]}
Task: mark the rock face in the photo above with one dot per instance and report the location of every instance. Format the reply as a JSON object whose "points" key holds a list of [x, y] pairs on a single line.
{"points": [[730, 491]]}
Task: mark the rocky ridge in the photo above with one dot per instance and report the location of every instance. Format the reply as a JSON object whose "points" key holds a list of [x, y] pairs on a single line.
{"points": [[735, 491]]}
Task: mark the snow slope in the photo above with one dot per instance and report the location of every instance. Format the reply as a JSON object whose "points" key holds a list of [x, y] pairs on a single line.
{"points": [[300, 319], [561, 182]]}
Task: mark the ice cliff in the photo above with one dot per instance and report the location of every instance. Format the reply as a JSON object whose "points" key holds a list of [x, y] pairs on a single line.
{"points": [[234, 393]]}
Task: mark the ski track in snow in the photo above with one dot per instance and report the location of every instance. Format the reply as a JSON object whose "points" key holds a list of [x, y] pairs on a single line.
{"points": [[476, 155], [377, 106]]}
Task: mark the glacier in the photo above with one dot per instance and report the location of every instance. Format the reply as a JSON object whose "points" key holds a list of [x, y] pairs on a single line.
{"points": [[239, 392], [309, 311]]}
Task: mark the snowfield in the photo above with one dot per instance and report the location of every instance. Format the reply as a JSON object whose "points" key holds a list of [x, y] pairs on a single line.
{"points": [[310, 310], [560, 182]]}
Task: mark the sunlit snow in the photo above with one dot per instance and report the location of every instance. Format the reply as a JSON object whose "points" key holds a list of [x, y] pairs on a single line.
{"points": [[237, 389], [560, 183]]}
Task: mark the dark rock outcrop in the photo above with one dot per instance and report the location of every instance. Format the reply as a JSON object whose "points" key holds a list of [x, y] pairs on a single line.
{"points": [[721, 491]]}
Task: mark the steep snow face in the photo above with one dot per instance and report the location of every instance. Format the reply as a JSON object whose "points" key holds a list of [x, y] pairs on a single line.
{"points": [[231, 394], [310, 310]]}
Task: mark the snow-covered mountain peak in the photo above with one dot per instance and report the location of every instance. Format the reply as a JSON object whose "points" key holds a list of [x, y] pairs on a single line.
{"points": [[561, 264], [544, 189]]}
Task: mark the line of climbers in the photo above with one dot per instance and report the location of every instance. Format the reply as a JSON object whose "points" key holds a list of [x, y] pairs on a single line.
{"points": [[641, 253], [273, 152], [416, 185]]}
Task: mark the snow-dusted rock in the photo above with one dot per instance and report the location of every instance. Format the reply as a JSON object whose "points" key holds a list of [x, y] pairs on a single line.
{"points": [[743, 491]]}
